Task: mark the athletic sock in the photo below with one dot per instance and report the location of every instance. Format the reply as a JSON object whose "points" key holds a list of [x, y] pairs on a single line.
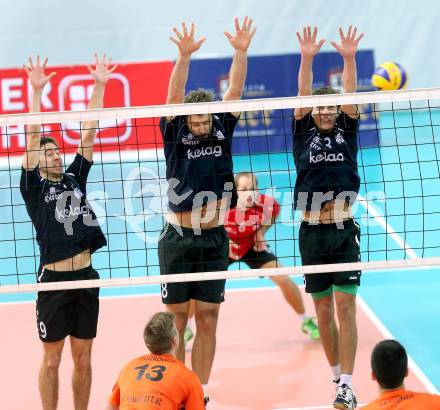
{"points": [[346, 379], [205, 389], [303, 317], [336, 370]]}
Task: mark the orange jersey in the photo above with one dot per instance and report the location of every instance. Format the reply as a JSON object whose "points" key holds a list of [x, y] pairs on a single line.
{"points": [[402, 399], [157, 382]]}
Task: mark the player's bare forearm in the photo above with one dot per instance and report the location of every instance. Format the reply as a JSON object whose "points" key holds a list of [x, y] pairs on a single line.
{"points": [[349, 75], [240, 41], [178, 79], [305, 76], [237, 76], [347, 49], [35, 106], [35, 72], [89, 127], [309, 47], [97, 99], [349, 83], [263, 229], [305, 81], [265, 225], [31, 156]]}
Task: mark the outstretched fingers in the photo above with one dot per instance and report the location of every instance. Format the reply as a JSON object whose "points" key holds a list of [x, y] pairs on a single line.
{"points": [[31, 63], [201, 41], [184, 29], [177, 33], [237, 24], [359, 38]]}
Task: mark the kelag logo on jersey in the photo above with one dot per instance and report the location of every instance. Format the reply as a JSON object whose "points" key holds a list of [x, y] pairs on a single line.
{"points": [[215, 151], [75, 92]]}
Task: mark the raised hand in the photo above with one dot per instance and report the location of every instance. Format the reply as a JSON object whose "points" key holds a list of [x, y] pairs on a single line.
{"points": [[103, 69], [307, 43], [35, 73], [349, 43], [186, 42], [243, 35]]}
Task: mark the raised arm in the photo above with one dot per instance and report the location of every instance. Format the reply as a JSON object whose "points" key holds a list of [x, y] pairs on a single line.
{"points": [[309, 48], [38, 80], [187, 45], [101, 74], [237, 74], [347, 49]]}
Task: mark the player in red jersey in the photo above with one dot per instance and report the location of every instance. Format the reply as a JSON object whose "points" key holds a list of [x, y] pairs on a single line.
{"points": [[246, 226]]}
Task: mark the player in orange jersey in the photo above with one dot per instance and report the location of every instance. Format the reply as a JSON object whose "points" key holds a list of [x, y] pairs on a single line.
{"points": [[157, 380], [389, 364]]}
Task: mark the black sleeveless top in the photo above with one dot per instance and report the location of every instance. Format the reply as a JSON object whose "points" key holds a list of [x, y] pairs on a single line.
{"points": [[198, 170], [326, 162], [64, 221]]}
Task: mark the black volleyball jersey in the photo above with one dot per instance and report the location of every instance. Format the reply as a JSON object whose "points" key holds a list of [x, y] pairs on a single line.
{"points": [[326, 162], [64, 221], [199, 170]]}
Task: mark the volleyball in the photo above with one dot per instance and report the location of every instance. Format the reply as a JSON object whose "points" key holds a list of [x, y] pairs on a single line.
{"points": [[389, 76]]}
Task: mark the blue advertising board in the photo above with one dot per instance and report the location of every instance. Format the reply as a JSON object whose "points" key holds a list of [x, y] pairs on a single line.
{"points": [[277, 76]]}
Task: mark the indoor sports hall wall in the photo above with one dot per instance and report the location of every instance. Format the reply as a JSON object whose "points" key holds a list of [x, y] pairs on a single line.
{"points": [[138, 30]]}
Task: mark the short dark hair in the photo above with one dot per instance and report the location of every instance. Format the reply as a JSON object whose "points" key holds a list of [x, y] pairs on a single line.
{"points": [[159, 333], [245, 174], [389, 363], [198, 96], [325, 91], [48, 140]]}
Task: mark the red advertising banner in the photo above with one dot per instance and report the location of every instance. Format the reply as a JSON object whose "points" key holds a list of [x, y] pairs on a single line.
{"points": [[130, 85]]}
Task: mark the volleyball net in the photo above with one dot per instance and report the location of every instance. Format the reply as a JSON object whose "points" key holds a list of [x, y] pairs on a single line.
{"points": [[397, 207]]}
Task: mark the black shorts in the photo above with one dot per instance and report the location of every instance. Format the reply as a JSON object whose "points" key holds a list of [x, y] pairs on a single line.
{"points": [[190, 253], [325, 244], [67, 312], [255, 260]]}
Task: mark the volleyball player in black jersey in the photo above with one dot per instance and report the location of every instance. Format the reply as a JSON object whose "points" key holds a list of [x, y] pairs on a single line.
{"points": [[67, 233], [325, 151], [201, 183]]}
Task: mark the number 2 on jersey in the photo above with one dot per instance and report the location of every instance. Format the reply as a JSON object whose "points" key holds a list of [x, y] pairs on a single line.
{"points": [[154, 374]]}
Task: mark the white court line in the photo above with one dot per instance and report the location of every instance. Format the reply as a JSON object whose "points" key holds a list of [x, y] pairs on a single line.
{"points": [[371, 209]]}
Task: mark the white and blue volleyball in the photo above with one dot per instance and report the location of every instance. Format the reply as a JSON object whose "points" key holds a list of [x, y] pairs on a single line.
{"points": [[389, 76]]}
